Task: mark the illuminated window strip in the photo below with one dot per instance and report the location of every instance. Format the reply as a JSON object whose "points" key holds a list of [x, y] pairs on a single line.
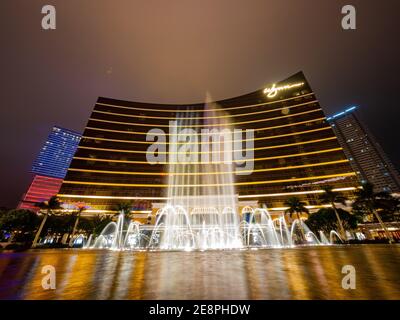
{"points": [[204, 125], [201, 133], [210, 117], [40, 177], [234, 161], [296, 193], [212, 142], [115, 211], [41, 193], [88, 212], [240, 196], [200, 110], [43, 189], [211, 152], [39, 196], [43, 186], [208, 173], [110, 184], [85, 212], [308, 207], [60, 195]]}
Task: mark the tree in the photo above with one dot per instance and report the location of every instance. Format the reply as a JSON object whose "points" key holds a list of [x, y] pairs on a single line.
{"points": [[325, 219], [94, 225], [48, 208], [331, 197], [86, 224], [368, 202], [62, 223], [100, 222], [124, 207], [80, 207], [295, 206], [22, 222]]}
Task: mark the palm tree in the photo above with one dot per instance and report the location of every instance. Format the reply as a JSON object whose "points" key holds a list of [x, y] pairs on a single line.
{"points": [[99, 222], [368, 202], [331, 197], [80, 207], [325, 220], [47, 207], [124, 207], [295, 206]]}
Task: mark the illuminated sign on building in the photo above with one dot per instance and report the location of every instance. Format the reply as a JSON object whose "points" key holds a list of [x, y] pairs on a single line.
{"points": [[341, 113], [273, 91]]}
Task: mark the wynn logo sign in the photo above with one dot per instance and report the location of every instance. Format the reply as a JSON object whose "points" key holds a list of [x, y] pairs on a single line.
{"points": [[273, 91]]}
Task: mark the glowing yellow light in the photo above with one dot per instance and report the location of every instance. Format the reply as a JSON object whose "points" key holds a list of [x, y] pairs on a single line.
{"points": [[211, 142], [201, 110], [102, 211], [308, 207], [273, 91], [201, 133], [218, 151], [111, 184], [205, 125], [240, 196], [109, 197], [195, 162], [296, 193], [208, 117], [208, 173]]}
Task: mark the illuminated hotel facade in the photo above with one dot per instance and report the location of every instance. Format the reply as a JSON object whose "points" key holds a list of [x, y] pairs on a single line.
{"points": [[295, 150]]}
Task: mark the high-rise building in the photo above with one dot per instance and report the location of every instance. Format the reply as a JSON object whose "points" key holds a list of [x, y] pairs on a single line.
{"points": [[295, 149], [366, 156], [50, 166]]}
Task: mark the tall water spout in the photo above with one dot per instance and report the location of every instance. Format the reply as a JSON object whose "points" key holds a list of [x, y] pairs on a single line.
{"points": [[202, 209]]}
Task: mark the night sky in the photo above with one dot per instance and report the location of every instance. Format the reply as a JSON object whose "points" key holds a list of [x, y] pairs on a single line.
{"points": [[174, 51]]}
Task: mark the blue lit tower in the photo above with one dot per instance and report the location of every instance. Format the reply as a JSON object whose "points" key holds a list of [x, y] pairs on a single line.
{"points": [[56, 154], [50, 166]]}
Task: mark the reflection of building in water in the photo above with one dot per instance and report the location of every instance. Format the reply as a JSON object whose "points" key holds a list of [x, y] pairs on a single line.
{"points": [[295, 150], [123, 276], [178, 275], [258, 273], [308, 273], [137, 280]]}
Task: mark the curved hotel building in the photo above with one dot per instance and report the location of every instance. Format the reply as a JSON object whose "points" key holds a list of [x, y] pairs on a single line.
{"points": [[295, 150]]}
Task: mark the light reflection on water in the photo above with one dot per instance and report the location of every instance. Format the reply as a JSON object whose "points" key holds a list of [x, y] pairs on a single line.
{"points": [[299, 273]]}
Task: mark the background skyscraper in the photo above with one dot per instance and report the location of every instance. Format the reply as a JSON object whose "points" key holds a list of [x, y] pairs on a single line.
{"points": [[50, 166], [366, 156]]}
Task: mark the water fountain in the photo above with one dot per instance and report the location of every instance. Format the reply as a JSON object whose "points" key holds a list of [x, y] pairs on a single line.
{"points": [[200, 229]]}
